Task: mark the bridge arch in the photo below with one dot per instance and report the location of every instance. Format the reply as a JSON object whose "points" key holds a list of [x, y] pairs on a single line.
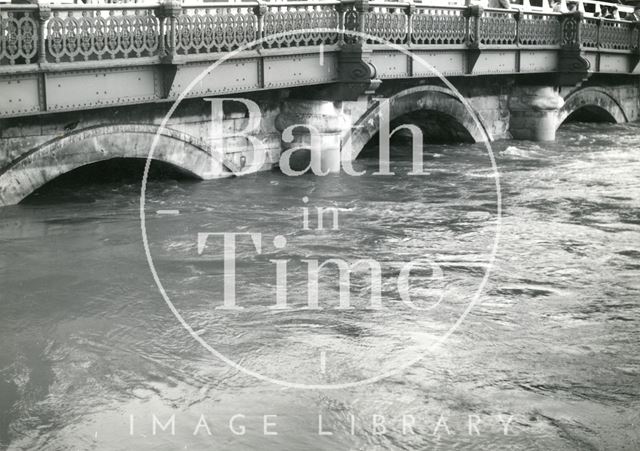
{"points": [[433, 99], [596, 103], [58, 156]]}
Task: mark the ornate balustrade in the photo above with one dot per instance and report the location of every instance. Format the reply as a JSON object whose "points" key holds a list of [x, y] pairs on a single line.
{"points": [[598, 33], [539, 29], [387, 21], [617, 36], [498, 27], [18, 34], [281, 20], [76, 33], [97, 32], [203, 29], [439, 26], [589, 32]]}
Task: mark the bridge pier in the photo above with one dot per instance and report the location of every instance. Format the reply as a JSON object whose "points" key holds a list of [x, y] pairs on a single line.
{"points": [[311, 134], [534, 113]]}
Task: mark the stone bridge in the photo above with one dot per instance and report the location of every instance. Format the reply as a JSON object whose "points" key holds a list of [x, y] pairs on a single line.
{"points": [[81, 84]]}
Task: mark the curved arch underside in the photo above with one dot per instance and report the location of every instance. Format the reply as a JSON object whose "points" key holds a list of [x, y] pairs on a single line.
{"points": [[433, 99], [56, 157], [598, 104]]}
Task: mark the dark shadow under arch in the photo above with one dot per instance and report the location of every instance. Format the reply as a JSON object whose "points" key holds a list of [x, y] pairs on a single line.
{"points": [[44, 163], [436, 110], [591, 105], [85, 182], [437, 127], [590, 113]]}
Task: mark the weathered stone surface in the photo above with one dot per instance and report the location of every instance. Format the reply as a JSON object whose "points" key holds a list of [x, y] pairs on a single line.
{"points": [[327, 121], [534, 112]]}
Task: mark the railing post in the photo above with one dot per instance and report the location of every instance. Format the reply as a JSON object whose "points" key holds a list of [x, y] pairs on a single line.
{"points": [[340, 9], [518, 18], [356, 73], [572, 66], [260, 10], [635, 46], [473, 35], [571, 30], [171, 10], [411, 9], [159, 13], [362, 8], [44, 13], [473, 30]]}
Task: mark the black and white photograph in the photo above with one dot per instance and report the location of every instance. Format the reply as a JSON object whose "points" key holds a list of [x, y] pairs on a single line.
{"points": [[320, 225]]}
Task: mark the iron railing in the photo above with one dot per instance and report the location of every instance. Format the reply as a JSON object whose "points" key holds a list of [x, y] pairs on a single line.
{"points": [[54, 34]]}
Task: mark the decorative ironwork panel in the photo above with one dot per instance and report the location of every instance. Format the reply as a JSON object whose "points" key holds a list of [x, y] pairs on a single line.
{"points": [[588, 31], [569, 31], [438, 26], [498, 28], [211, 30], [97, 35], [351, 21], [473, 29], [537, 29], [389, 24], [315, 20], [616, 35], [18, 37], [635, 37]]}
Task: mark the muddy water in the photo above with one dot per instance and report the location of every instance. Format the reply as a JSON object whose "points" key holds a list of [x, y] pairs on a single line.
{"points": [[90, 352]]}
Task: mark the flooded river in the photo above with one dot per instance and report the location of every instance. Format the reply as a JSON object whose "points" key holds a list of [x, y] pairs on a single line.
{"points": [[92, 357]]}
